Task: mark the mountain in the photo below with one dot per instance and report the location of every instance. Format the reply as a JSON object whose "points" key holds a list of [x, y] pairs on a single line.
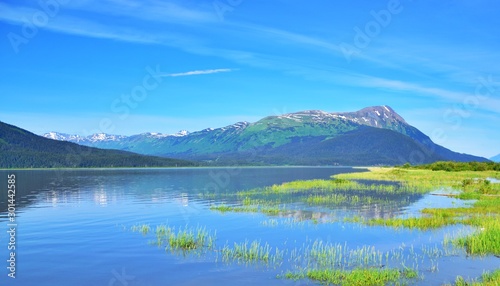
{"points": [[22, 149], [370, 136], [495, 158]]}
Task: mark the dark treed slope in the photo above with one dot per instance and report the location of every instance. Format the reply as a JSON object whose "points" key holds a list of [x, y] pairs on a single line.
{"points": [[22, 149]]}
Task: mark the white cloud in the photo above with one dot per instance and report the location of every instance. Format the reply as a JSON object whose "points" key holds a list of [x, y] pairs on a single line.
{"points": [[470, 99], [197, 72]]}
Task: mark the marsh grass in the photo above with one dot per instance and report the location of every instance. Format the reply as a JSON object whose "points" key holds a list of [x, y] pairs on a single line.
{"points": [[190, 239], [338, 264], [248, 209], [485, 240], [142, 228], [428, 180], [487, 279], [345, 199], [251, 252], [184, 239], [422, 223], [483, 214], [331, 185], [358, 276]]}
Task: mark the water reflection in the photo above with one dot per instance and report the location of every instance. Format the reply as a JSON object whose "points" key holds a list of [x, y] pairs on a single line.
{"points": [[86, 214], [105, 186], [184, 186]]}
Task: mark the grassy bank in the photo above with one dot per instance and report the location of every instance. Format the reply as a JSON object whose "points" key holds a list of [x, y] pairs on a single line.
{"points": [[425, 180], [483, 214], [370, 276], [378, 185]]}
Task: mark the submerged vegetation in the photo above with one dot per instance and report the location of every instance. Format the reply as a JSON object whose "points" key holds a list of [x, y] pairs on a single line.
{"points": [[246, 209], [251, 252], [337, 264], [425, 180], [467, 181], [487, 279], [183, 239], [483, 214], [368, 276]]}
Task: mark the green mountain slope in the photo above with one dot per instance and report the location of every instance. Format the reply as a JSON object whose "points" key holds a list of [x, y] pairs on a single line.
{"points": [[363, 146], [310, 137], [22, 149]]}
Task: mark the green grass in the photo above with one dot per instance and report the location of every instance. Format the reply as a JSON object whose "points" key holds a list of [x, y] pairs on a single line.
{"points": [[359, 276], [344, 199], [189, 239], [251, 252], [185, 239], [336, 263], [142, 228], [309, 186], [487, 279], [247, 209], [427, 180], [486, 239], [483, 214], [422, 223]]}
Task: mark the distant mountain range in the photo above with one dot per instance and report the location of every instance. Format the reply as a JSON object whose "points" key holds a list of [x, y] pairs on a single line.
{"points": [[495, 158], [20, 148], [371, 136]]}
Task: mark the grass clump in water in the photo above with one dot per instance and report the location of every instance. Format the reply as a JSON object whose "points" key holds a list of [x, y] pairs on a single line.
{"points": [[359, 276], [247, 209], [185, 239], [487, 279], [486, 240], [251, 252], [142, 228], [190, 239], [422, 223]]}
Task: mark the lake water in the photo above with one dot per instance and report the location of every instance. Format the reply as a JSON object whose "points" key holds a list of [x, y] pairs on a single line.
{"points": [[73, 227]]}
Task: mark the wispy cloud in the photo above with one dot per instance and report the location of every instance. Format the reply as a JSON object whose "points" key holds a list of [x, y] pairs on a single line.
{"points": [[487, 102], [197, 72]]}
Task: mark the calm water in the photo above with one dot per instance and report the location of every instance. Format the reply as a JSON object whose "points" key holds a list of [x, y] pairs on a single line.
{"points": [[73, 228]]}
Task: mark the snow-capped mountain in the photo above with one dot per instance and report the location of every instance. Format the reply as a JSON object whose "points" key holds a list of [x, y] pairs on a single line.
{"points": [[373, 135], [103, 137], [62, 136], [375, 116]]}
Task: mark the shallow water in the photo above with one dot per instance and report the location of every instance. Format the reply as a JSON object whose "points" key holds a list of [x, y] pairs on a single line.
{"points": [[73, 228]]}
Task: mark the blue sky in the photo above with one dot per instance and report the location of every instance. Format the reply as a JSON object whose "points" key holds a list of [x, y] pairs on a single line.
{"points": [[133, 66]]}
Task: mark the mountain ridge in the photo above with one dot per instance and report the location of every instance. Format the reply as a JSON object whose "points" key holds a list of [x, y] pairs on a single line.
{"points": [[274, 137], [20, 148]]}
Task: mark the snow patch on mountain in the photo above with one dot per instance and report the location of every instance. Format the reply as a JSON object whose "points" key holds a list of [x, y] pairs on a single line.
{"points": [[375, 116], [181, 133]]}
